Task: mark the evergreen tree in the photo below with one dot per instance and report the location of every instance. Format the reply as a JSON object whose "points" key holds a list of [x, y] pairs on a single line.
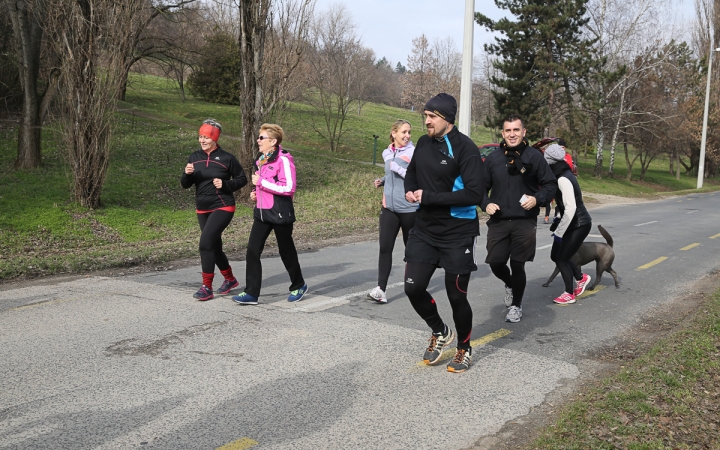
{"points": [[216, 77], [544, 61]]}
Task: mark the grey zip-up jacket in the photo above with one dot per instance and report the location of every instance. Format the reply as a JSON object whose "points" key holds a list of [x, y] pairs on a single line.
{"points": [[397, 161]]}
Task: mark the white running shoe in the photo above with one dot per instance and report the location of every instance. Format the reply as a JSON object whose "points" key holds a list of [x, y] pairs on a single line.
{"points": [[378, 295], [508, 296], [514, 314]]}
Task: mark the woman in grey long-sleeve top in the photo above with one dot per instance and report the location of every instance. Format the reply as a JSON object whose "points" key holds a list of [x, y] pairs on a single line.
{"points": [[396, 213]]}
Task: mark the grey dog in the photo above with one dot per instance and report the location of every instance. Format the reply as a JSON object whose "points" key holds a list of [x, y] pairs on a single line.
{"points": [[602, 254]]}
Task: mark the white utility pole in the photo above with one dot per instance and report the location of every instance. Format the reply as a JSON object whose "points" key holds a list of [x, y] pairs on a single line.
{"points": [[467, 67], [701, 164]]}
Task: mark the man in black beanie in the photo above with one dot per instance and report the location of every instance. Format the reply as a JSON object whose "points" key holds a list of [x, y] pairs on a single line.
{"points": [[517, 181], [445, 177]]}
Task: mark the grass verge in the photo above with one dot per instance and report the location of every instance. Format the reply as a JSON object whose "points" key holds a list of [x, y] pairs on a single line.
{"points": [[665, 399]]}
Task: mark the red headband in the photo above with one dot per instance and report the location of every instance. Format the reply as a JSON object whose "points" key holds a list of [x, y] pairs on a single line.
{"points": [[210, 131]]}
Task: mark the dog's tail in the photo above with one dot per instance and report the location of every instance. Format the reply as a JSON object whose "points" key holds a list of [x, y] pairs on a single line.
{"points": [[606, 235]]}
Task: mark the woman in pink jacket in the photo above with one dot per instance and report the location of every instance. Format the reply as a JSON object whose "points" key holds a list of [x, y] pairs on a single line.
{"points": [[275, 185]]}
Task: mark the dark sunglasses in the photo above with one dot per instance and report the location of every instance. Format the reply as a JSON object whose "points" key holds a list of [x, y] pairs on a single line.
{"points": [[260, 138]]}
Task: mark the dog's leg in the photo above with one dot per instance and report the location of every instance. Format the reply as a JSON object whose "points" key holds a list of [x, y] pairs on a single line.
{"points": [[614, 275], [552, 277], [598, 276]]}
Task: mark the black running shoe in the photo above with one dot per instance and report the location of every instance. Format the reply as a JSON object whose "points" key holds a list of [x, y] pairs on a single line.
{"points": [[204, 293], [227, 286]]}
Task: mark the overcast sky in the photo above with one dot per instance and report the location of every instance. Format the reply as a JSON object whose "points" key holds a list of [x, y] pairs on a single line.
{"points": [[389, 26]]}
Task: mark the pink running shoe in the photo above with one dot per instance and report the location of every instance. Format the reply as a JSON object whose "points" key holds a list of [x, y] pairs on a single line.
{"points": [[581, 285], [565, 299]]}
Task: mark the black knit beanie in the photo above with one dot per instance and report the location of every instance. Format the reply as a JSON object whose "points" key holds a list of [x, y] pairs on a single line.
{"points": [[444, 105]]}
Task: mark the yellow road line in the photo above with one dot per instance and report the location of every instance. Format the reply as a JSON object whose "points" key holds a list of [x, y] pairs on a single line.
{"points": [[716, 236], [652, 263], [240, 444], [447, 354], [587, 293], [690, 246]]}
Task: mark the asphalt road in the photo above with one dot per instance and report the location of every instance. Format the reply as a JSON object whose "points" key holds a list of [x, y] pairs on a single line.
{"points": [[135, 362]]}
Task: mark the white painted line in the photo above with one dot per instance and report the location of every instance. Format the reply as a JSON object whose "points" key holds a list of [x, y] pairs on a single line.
{"points": [[544, 247], [595, 235], [693, 211], [316, 303], [646, 223]]}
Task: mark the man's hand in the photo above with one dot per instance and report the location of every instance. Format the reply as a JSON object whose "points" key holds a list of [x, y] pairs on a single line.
{"points": [[414, 197], [218, 183], [529, 203], [492, 208], [418, 195]]}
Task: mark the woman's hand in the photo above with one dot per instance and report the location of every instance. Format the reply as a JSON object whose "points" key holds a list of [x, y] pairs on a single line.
{"points": [[190, 168], [218, 183], [377, 182], [253, 195], [255, 179]]}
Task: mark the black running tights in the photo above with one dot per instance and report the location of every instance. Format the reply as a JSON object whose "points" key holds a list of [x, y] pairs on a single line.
{"points": [[417, 279], [390, 224], [288, 254], [212, 226], [514, 277], [562, 252]]}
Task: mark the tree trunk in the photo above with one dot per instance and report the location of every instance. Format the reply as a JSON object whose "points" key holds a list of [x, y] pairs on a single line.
{"points": [[629, 175], [253, 23], [597, 172], [28, 32]]}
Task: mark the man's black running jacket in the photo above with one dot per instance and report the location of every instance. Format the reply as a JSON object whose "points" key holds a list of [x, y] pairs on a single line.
{"points": [[452, 185]]}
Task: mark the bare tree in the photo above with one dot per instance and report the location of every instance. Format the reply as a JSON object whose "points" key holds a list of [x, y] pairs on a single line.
{"points": [[620, 28], [433, 67], [177, 37], [28, 19], [91, 38], [417, 85], [144, 44], [266, 81], [333, 62]]}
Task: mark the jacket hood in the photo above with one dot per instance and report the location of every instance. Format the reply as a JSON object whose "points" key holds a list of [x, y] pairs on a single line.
{"points": [[409, 146]]}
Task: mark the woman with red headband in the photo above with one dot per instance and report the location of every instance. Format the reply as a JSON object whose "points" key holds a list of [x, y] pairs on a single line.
{"points": [[216, 174]]}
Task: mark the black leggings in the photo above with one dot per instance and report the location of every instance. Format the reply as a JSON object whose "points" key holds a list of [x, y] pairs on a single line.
{"points": [[212, 226], [390, 223], [425, 306], [286, 247], [515, 280], [562, 252]]}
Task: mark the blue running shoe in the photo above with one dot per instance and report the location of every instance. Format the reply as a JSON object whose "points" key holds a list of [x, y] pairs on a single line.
{"points": [[297, 294], [245, 299]]}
